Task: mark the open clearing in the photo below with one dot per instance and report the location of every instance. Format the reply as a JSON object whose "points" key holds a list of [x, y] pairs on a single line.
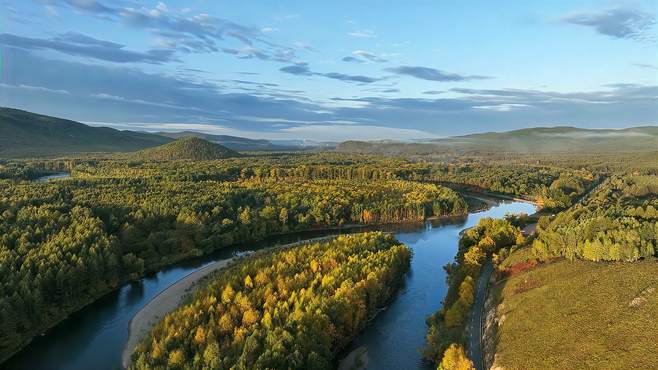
{"points": [[579, 315]]}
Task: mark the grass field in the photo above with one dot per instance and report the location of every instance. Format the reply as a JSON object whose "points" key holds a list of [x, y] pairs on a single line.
{"points": [[578, 315]]}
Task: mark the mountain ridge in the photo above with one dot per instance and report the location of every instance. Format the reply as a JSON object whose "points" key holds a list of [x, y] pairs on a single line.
{"points": [[526, 140], [27, 134]]}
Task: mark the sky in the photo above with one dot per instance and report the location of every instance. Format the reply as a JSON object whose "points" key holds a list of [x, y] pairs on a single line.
{"points": [[332, 70]]}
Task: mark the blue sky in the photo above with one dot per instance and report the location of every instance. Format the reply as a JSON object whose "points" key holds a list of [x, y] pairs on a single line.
{"points": [[332, 70]]}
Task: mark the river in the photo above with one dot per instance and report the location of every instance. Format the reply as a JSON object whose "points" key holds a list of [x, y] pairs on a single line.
{"points": [[54, 176], [93, 338]]}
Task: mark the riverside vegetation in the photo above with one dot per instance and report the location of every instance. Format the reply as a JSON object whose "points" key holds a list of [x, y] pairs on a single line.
{"points": [[561, 286], [445, 335], [289, 309], [64, 243]]}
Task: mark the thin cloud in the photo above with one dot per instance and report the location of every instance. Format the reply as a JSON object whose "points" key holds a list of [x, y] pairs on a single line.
{"points": [[85, 46], [351, 59], [360, 56], [646, 66], [620, 23], [431, 74], [362, 34], [304, 70], [188, 33], [35, 88]]}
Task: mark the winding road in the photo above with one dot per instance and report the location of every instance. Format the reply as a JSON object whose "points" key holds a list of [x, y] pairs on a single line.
{"points": [[475, 318]]}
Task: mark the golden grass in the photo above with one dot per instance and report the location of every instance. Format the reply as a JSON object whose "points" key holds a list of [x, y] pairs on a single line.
{"points": [[580, 315]]}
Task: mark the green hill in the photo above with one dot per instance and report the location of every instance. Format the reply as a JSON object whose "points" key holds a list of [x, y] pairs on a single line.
{"points": [[26, 134], [530, 140], [231, 142], [189, 148]]}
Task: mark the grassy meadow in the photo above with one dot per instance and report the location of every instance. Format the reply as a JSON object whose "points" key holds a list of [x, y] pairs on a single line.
{"points": [[578, 315]]}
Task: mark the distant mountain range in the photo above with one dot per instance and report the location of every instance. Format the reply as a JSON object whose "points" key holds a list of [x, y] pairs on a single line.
{"points": [[26, 134], [529, 140]]}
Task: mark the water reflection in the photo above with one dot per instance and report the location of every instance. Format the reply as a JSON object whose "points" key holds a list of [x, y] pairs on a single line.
{"points": [[394, 338]]}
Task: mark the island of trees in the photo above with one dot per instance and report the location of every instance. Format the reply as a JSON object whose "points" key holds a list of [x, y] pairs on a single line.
{"points": [[283, 309]]}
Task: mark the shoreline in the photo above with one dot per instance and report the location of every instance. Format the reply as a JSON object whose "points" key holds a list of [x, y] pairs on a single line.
{"points": [[164, 302], [174, 296], [348, 229]]}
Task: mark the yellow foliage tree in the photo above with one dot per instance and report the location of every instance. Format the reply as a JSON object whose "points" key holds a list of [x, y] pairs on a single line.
{"points": [[176, 358], [467, 291], [248, 283], [454, 358], [227, 294], [200, 335], [250, 317]]}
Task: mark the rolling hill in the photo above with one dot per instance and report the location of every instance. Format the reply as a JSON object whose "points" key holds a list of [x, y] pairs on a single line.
{"points": [[26, 134], [187, 148], [231, 142], [530, 140], [560, 139]]}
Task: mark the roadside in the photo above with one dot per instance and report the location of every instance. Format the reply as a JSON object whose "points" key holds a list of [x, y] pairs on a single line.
{"points": [[474, 328]]}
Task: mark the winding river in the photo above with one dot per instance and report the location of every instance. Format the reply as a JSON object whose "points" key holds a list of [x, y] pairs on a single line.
{"points": [[93, 338]]}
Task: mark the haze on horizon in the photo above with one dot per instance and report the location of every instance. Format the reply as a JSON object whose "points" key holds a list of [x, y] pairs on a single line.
{"points": [[332, 71]]}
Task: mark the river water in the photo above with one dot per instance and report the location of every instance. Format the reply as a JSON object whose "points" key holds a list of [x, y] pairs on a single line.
{"points": [[55, 176], [93, 337]]}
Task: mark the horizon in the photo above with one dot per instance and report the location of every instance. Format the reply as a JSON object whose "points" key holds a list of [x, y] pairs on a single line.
{"points": [[269, 71]]}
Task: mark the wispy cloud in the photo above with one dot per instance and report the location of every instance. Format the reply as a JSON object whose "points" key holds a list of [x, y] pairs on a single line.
{"points": [[431, 74], [35, 88], [362, 33], [186, 32], [304, 70], [85, 46], [646, 66], [360, 56], [507, 107], [621, 23]]}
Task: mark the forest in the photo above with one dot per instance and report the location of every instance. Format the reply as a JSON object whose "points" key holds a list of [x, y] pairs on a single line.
{"points": [[120, 216], [282, 309], [65, 243], [617, 222]]}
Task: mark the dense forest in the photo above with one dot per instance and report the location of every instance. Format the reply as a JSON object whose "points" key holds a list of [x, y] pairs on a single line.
{"points": [[191, 148], [121, 215], [64, 243], [618, 221], [286, 309], [553, 186], [445, 335]]}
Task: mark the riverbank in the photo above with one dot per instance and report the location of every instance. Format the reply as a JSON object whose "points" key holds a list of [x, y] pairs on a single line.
{"points": [[174, 295], [165, 302]]}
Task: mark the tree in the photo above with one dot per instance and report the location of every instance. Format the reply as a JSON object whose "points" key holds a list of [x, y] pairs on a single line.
{"points": [[454, 358]]}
